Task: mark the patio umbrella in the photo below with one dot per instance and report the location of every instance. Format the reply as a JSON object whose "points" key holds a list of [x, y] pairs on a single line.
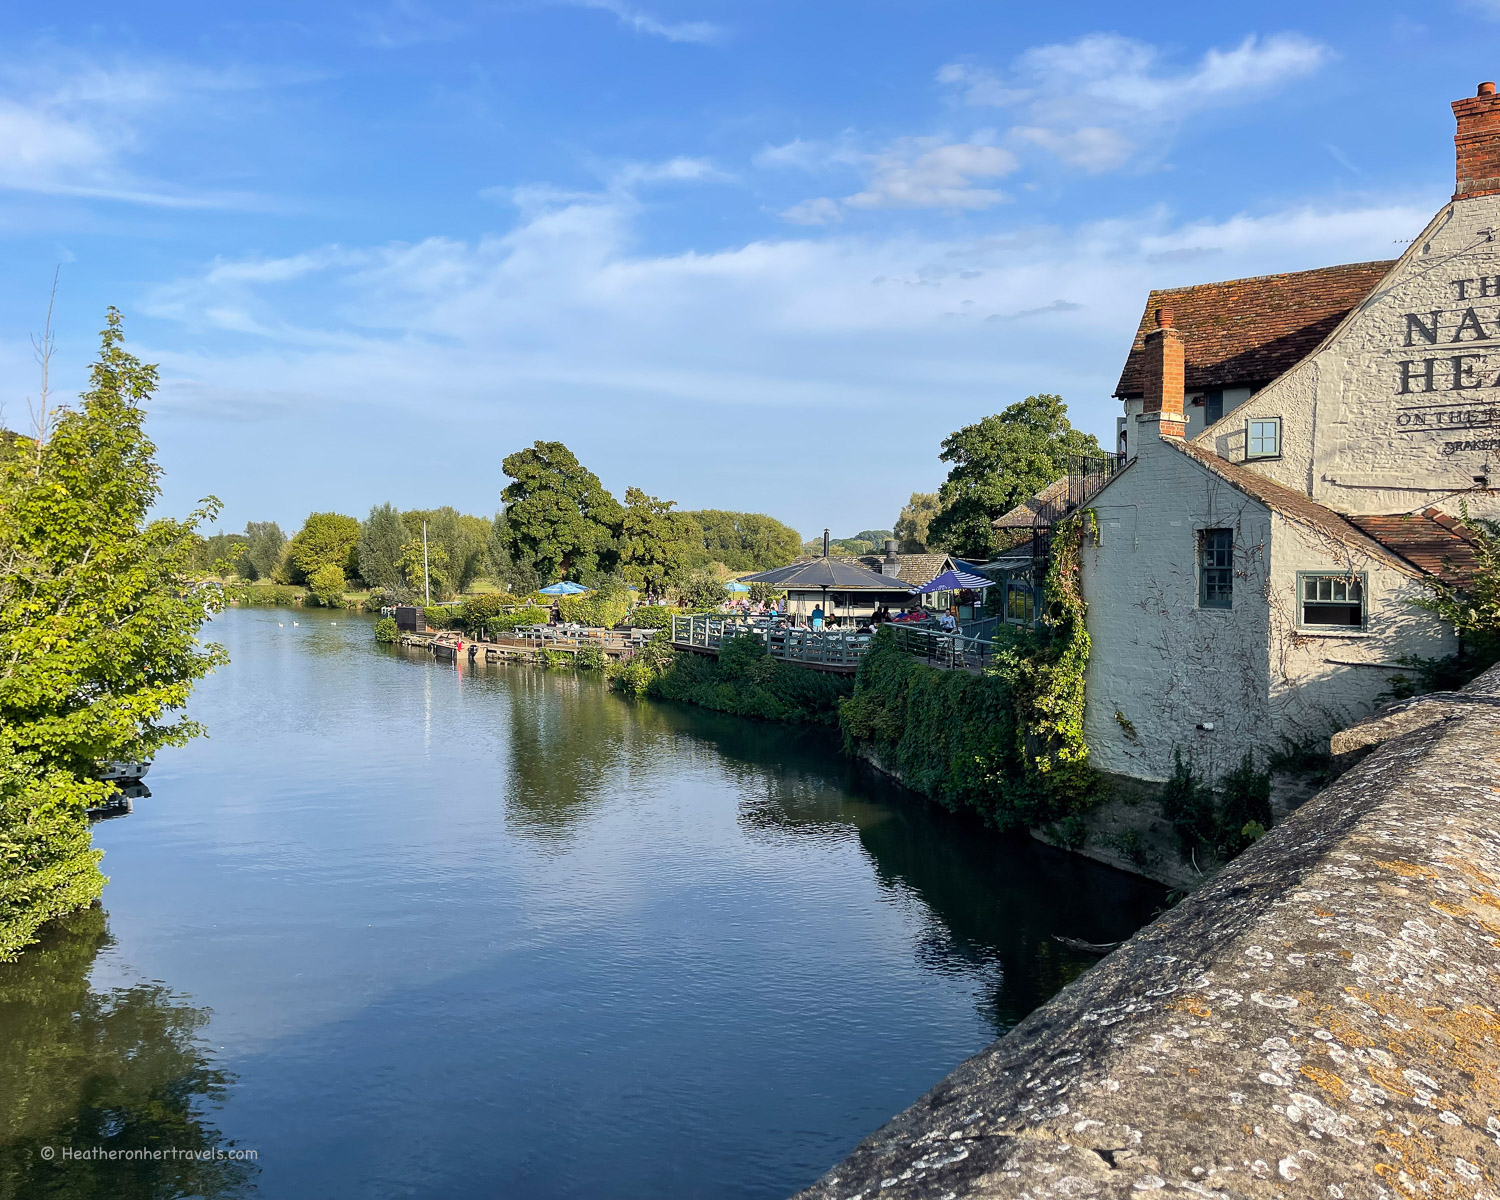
{"points": [[736, 586], [953, 581], [566, 588]]}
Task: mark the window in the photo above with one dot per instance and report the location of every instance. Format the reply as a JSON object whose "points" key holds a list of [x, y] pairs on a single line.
{"points": [[1216, 568], [1332, 601], [1019, 603], [1213, 406], [1263, 438]]}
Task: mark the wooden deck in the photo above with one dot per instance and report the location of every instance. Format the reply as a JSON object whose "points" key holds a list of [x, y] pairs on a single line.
{"points": [[528, 646], [836, 651]]}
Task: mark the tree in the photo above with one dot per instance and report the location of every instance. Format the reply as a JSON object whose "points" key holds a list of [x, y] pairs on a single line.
{"points": [[998, 463], [558, 515], [424, 573], [743, 541], [325, 540], [326, 586], [464, 540], [378, 551], [911, 525], [264, 546], [219, 554], [655, 545], [99, 623], [515, 573]]}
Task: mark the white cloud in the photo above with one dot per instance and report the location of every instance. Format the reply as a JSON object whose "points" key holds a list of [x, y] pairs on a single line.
{"points": [[916, 173], [643, 22], [1092, 101], [672, 170], [821, 211]]}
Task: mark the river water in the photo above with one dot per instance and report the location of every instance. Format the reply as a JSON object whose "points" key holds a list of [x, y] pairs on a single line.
{"points": [[401, 929]]}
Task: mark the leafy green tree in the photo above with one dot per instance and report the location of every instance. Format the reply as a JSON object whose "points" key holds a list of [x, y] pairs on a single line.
{"points": [[743, 541], [326, 586], [381, 538], [516, 574], [656, 544], [264, 546], [604, 607], [464, 540], [436, 577], [911, 525], [558, 515], [98, 631], [998, 463], [325, 540], [217, 555]]}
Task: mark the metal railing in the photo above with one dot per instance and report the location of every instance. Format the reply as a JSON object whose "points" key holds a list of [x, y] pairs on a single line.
{"points": [[793, 644], [951, 651]]}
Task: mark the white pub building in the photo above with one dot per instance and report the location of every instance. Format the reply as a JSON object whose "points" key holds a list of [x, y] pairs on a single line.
{"points": [[1298, 451]]}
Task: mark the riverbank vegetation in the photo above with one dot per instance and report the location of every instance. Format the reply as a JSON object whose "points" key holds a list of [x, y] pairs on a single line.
{"points": [[558, 521], [98, 631], [1006, 743]]}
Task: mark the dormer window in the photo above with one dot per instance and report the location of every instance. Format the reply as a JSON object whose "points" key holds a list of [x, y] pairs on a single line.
{"points": [[1263, 438]]}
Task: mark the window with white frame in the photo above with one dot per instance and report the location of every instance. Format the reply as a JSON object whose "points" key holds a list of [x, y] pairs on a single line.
{"points": [[1216, 568], [1263, 438], [1332, 601]]}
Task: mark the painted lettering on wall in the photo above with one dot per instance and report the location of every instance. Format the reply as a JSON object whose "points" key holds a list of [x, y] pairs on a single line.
{"points": [[1458, 364]]}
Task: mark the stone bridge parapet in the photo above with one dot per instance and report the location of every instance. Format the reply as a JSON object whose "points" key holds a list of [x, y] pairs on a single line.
{"points": [[1322, 1019]]}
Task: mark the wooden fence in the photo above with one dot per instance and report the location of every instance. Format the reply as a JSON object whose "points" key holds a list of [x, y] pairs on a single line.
{"points": [[823, 649]]}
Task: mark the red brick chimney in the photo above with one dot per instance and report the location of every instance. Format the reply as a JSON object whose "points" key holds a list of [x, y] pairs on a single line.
{"points": [[1164, 368], [1478, 143]]}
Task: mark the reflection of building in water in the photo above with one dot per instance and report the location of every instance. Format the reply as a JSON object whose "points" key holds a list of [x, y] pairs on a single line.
{"points": [[1297, 453], [119, 1070]]}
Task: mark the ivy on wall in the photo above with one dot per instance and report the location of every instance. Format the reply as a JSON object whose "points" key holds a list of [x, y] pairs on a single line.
{"points": [[1008, 743]]}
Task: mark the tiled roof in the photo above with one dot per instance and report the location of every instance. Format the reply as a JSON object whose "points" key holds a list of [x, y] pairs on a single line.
{"points": [[1432, 540], [1246, 332], [1022, 516], [1294, 505], [915, 569]]}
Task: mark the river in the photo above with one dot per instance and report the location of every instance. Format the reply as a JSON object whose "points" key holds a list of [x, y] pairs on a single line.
{"points": [[401, 929]]}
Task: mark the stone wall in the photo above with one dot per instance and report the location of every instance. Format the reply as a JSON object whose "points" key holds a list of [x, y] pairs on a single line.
{"points": [[1323, 1019]]}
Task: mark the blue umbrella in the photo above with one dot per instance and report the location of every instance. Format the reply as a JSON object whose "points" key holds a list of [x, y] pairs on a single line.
{"points": [[566, 588], [737, 586]]}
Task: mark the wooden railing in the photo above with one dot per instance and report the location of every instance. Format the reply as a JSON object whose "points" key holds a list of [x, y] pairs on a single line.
{"points": [[793, 644]]}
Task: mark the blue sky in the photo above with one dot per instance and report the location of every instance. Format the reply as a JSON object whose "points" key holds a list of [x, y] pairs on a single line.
{"points": [[760, 256]]}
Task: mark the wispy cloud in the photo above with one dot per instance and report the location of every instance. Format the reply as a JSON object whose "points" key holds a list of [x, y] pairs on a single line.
{"points": [[1098, 101], [72, 128], [924, 173], [705, 32]]}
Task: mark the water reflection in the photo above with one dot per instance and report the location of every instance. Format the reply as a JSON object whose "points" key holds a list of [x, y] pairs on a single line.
{"points": [[118, 1070], [993, 906]]}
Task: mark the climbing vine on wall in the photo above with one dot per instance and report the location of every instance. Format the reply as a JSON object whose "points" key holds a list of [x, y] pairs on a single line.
{"points": [[1007, 744]]}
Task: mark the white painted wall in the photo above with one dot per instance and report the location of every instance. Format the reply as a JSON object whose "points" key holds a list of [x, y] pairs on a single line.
{"points": [[1351, 438], [1168, 667]]}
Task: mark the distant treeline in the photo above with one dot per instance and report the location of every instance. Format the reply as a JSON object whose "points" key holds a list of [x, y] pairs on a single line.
{"points": [[557, 521]]}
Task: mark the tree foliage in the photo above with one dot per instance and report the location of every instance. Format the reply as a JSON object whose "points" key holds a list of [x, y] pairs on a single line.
{"points": [[98, 630], [604, 607], [325, 587], [701, 589], [655, 543], [912, 524], [558, 516], [998, 463], [516, 574], [325, 540], [264, 546], [381, 538], [463, 539], [743, 541]]}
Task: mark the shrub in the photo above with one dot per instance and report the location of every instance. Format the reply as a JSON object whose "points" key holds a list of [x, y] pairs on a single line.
{"points": [[556, 658], [478, 611], [438, 617], [702, 590], [386, 631], [515, 618], [325, 587], [603, 608], [591, 658], [1188, 803], [1244, 807], [653, 616], [746, 681]]}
